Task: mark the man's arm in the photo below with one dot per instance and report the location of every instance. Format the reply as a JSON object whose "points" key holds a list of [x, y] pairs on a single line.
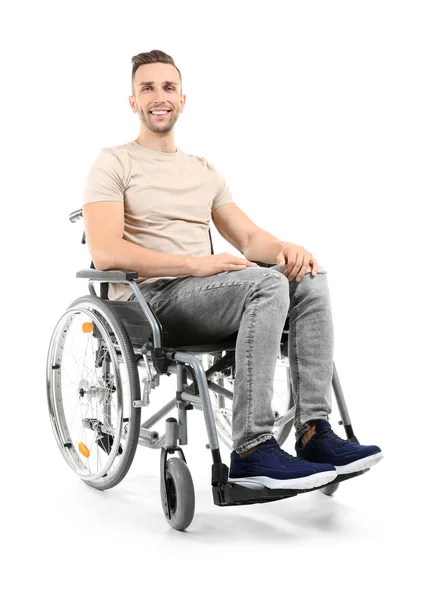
{"points": [[110, 251], [252, 241], [263, 247]]}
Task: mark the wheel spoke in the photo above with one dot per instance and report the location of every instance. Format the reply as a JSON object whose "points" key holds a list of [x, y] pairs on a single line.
{"points": [[89, 390]]}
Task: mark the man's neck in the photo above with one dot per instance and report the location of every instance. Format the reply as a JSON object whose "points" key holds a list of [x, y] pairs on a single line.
{"points": [[165, 147]]}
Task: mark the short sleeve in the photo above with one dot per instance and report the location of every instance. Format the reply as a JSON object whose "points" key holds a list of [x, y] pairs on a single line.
{"points": [[223, 194], [105, 179]]}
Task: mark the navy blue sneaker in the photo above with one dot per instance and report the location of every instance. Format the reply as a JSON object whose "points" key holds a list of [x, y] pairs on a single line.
{"points": [[270, 466], [327, 447]]}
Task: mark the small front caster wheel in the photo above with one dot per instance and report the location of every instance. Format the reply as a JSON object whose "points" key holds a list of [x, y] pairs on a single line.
{"points": [[181, 495], [329, 490]]}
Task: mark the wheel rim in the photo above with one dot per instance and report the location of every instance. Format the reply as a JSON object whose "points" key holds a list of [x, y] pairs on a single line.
{"points": [[171, 495], [86, 384]]}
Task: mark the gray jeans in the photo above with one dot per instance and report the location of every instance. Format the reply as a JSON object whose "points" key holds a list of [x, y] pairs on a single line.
{"points": [[256, 301]]}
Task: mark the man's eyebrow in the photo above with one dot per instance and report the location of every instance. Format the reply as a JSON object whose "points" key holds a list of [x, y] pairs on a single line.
{"points": [[151, 82]]}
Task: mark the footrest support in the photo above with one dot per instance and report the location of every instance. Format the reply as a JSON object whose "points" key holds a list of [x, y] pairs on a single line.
{"points": [[232, 494]]}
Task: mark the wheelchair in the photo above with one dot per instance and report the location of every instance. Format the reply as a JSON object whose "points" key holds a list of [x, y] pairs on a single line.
{"points": [[104, 359]]}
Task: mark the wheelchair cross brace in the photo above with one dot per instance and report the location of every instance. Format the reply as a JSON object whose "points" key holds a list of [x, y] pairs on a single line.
{"points": [[224, 493]]}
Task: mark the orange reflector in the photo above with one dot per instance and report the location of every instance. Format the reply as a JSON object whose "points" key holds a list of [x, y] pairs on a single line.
{"points": [[83, 449], [87, 327]]}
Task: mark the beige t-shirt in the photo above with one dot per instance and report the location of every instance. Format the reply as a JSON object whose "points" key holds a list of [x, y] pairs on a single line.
{"points": [[168, 200]]}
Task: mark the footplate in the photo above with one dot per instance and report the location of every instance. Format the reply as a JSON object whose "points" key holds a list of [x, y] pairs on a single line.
{"points": [[346, 476], [232, 494]]}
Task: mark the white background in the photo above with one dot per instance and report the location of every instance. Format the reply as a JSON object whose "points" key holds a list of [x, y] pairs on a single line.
{"points": [[320, 115]]}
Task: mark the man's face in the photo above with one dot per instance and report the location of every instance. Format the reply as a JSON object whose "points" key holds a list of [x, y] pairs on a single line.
{"points": [[157, 86]]}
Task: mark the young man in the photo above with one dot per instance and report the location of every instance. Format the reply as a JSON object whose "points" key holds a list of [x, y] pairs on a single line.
{"points": [[147, 208]]}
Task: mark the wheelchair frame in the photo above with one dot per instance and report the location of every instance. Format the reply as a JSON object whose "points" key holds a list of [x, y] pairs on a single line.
{"points": [[142, 324]]}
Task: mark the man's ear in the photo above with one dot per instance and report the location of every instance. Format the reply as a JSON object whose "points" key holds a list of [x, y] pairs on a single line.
{"points": [[132, 103]]}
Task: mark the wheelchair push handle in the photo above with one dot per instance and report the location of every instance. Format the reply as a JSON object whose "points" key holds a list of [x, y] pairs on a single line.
{"points": [[76, 215]]}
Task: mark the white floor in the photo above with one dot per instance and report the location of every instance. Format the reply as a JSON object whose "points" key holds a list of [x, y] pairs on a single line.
{"points": [[66, 538]]}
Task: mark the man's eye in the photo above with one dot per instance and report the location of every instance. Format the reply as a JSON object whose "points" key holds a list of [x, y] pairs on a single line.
{"points": [[148, 87]]}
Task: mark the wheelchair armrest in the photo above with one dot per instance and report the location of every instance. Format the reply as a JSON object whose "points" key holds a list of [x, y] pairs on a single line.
{"points": [[119, 275], [262, 264]]}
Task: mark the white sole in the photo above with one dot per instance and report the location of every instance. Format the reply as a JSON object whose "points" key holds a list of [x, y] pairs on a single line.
{"points": [[360, 465], [303, 483]]}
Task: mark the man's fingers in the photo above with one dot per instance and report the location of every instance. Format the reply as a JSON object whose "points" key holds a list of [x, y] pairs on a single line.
{"points": [[300, 270], [298, 266], [304, 269]]}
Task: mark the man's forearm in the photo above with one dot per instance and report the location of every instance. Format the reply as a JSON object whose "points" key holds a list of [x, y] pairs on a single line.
{"points": [[123, 254], [263, 247]]}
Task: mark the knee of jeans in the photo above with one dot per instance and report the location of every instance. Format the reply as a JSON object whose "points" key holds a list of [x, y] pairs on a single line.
{"points": [[273, 278], [315, 285]]}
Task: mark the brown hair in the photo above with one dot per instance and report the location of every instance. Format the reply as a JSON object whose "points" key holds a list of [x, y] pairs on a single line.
{"points": [[154, 56]]}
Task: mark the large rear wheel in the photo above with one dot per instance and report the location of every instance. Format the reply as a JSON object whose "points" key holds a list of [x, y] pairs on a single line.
{"points": [[92, 382]]}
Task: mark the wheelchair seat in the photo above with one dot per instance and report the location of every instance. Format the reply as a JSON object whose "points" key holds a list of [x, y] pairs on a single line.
{"points": [[139, 331]]}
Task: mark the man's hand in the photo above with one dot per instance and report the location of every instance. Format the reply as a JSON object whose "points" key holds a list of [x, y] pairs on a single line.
{"points": [[299, 261], [201, 266]]}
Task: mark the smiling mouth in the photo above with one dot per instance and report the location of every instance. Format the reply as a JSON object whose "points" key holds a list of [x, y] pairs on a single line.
{"points": [[161, 115]]}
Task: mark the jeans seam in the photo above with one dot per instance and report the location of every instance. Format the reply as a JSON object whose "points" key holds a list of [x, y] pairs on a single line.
{"points": [[263, 437], [201, 289], [249, 366], [297, 394], [300, 429]]}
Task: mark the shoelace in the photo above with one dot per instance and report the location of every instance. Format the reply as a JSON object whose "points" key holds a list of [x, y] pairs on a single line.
{"points": [[331, 434], [281, 452]]}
